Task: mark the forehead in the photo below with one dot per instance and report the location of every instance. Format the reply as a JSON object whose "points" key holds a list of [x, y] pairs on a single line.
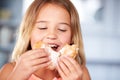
{"points": [[53, 6], [53, 11]]}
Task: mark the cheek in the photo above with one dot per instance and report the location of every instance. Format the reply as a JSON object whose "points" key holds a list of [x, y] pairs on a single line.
{"points": [[32, 40], [66, 38], [35, 37]]}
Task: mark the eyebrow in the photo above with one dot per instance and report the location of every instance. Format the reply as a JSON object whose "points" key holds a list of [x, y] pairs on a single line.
{"points": [[41, 21], [63, 23]]}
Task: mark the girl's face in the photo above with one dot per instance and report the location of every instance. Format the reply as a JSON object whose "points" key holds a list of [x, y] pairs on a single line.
{"points": [[52, 27]]}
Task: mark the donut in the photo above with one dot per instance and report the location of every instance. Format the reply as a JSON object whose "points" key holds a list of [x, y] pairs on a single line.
{"points": [[69, 50]]}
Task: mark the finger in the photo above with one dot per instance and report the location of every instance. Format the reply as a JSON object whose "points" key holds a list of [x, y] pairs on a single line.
{"points": [[75, 65], [60, 70], [43, 65], [64, 67], [68, 63], [40, 61], [75, 71], [37, 54]]}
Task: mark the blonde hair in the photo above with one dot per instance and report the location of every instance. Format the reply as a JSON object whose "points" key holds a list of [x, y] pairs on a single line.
{"points": [[23, 40]]}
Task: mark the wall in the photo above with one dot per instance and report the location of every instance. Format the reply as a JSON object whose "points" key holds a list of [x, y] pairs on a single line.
{"points": [[100, 23]]}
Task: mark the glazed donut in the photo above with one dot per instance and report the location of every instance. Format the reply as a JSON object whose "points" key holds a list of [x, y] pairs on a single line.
{"points": [[70, 50]]}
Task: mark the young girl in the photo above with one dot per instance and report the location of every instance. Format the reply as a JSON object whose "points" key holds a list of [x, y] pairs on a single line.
{"points": [[56, 23]]}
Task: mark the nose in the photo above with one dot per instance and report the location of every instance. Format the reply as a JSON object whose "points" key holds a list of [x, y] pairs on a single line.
{"points": [[52, 35]]}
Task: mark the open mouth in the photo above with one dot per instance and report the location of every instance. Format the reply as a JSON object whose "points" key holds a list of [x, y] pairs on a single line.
{"points": [[54, 47]]}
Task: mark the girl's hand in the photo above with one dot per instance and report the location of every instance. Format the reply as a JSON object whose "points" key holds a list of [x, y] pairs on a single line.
{"points": [[29, 62], [69, 69]]}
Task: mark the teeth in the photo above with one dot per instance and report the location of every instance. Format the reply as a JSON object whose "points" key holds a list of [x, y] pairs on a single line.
{"points": [[52, 45]]}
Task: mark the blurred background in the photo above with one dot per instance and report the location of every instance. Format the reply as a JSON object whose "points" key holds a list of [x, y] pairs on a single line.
{"points": [[100, 23]]}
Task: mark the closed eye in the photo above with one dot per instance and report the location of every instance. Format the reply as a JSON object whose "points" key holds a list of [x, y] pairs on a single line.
{"points": [[63, 30], [42, 28]]}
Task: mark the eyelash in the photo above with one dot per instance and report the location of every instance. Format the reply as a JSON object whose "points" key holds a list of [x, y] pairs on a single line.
{"points": [[42, 28], [62, 30]]}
